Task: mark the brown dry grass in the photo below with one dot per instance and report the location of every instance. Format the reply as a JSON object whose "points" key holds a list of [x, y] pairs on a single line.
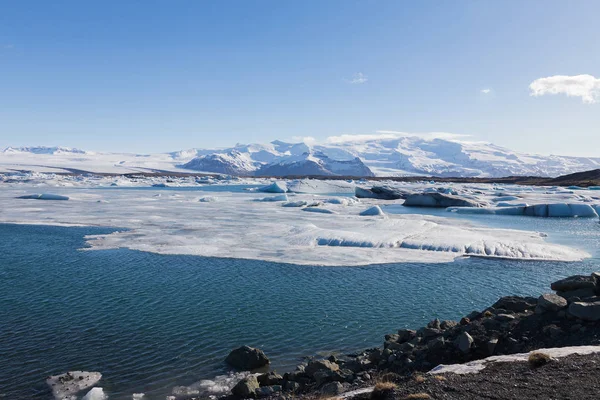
{"points": [[537, 359]]}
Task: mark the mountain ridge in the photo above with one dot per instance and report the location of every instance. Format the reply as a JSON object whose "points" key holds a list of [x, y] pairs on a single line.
{"points": [[363, 156]]}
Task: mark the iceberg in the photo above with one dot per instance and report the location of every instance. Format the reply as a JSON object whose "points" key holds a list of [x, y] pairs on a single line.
{"points": [[282, 197], [318, 210], [208, 199], [372, 211], [275, 187]]}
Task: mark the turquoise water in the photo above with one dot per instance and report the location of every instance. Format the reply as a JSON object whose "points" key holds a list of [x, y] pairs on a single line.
{"points": [[150, 322]]}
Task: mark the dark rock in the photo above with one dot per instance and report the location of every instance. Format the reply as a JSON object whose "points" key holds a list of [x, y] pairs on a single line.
{"points": [[332, 389], [434, 324], [247, 358], [270, 379], [515, 303], [504, 317], [246, 387], [404, 335], [585, 311], [448, 325], [463, 342], [551, 302], [465, 321], [291, 386], [579, 293], [320, 365], [574, 283], [428, 333], [268, 391]]}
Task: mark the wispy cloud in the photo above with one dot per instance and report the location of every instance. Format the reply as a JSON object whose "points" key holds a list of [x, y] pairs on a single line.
{"points": [[486, 91], [585, 86], [8, 46], [391, 135], [358, 79]]}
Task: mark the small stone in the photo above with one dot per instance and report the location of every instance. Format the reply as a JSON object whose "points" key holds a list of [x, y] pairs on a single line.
{"points": [[504, 318], [332, 389], [404, 335], [491, 346], [319, 365], [448, 324], [270, 379], [463, 342], [551, 302], [246, 387], [291, 386], [434, 324], [465, 321]]}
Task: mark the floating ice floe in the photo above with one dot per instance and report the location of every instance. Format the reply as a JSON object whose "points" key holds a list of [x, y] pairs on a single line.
{"points": [[282, 197], [267, 231], [66, 386], [43, 196], [474, 367], [95, 394]]}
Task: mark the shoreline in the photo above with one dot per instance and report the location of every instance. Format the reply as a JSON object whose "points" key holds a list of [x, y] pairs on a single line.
{"points": [[512, 325]]}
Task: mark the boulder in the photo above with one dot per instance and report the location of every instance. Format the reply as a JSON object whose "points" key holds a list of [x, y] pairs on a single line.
{"points": [[585, 311], [247, 358], [439, 200], [320, 365], [245, 388], [574, 283], [551, 302], [463, 342]]}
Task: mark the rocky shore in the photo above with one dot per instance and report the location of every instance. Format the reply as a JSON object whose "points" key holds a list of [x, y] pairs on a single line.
{"points": [[570, 316]]}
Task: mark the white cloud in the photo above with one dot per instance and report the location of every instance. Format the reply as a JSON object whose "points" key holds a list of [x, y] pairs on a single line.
{"points": [[358, 78], [585, 86], [486, 91], [304, 139], [390, 135]]}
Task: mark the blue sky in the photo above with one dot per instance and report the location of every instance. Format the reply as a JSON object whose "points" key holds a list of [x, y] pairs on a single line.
{"points": [[153, 76]]}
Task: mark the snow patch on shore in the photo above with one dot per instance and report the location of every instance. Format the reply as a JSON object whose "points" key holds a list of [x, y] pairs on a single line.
{"points": [[475, 367]]}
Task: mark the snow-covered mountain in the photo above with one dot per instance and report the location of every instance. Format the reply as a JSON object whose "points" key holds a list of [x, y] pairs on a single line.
{"points": [[347, 156], [42, 150]]}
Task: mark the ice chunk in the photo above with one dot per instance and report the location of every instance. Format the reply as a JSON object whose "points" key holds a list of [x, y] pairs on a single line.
{"points": [[318, 210], [344, 201], [372, 211], [282, 197], [44, 196], [66, 386], [95, 394], [208, 199], [275, 187]]}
